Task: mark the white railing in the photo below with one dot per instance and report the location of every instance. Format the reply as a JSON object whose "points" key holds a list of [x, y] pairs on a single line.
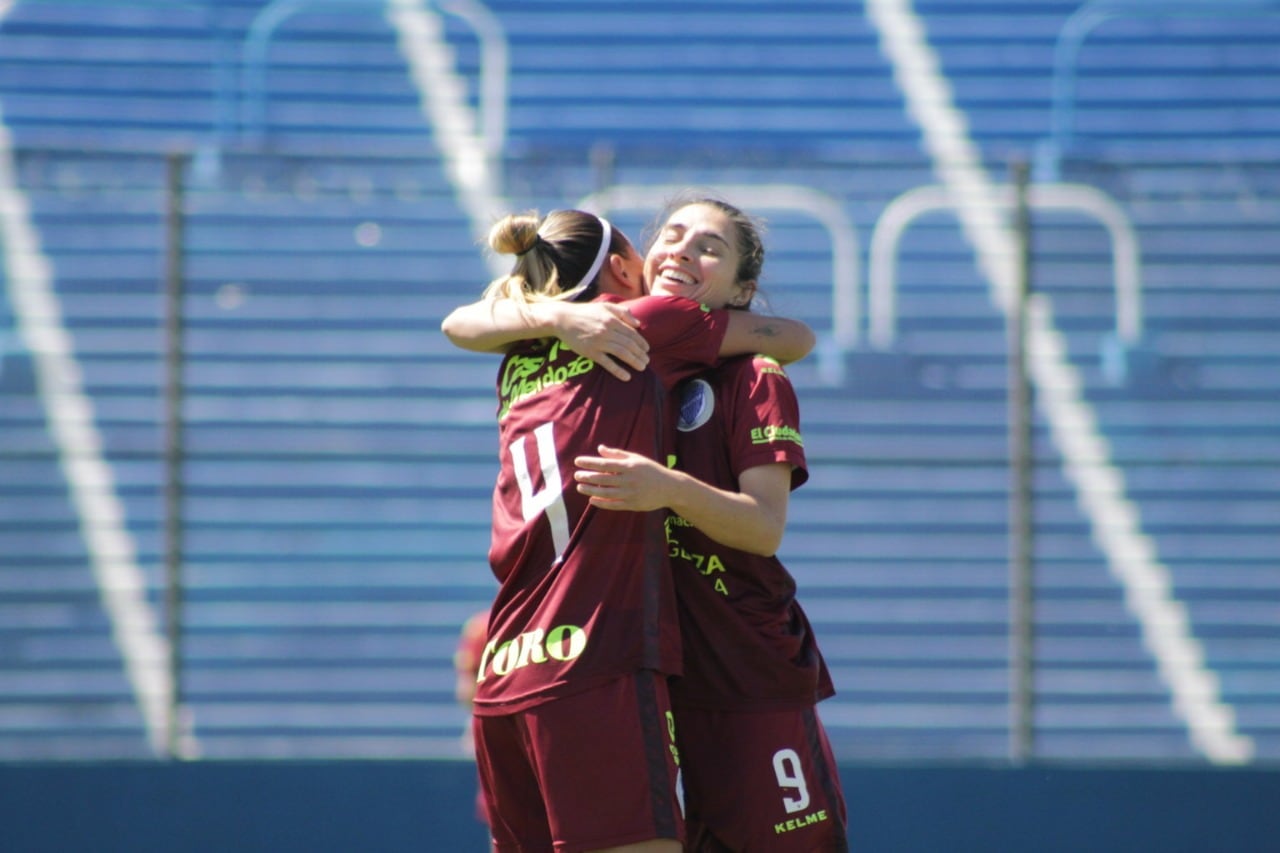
{"points": [[905, 209], [494, 63], [1072, 36]]}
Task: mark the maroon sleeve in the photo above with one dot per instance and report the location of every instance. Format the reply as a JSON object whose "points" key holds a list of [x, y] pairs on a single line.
{"points": [[684, 336], [765, 423]]}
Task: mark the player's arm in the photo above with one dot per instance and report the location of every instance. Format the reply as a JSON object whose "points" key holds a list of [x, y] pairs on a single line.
{"points": [[778, 337], [604, 332], [752, 519]]}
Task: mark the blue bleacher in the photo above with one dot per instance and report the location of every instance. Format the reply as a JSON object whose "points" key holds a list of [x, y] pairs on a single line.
{"points": [[804, 82], [341, 452], [65, 692], [318, 620], [310, 442], [1170, 118]]}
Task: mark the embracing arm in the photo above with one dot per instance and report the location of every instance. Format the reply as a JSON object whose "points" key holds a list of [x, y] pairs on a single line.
{"points": [[602, 331], [752, 519], [490, 325], [777, 337]]}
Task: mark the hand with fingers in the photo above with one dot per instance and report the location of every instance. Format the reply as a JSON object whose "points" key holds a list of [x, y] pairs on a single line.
{"points": [[605, 332], [621, 480]]}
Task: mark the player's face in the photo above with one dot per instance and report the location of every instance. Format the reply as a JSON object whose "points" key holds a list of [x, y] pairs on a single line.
{"points": [[696, 256]]}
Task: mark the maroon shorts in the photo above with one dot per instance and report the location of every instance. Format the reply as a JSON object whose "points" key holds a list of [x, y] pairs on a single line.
{"points": [[595, 769], [760, 780]]}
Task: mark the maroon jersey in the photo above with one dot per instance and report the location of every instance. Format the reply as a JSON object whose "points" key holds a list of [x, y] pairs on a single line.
{"points": [[747, 642], [584, 594]]}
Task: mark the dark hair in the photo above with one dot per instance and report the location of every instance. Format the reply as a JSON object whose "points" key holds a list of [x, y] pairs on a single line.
{"points": [[749, 230], [553, 254]]}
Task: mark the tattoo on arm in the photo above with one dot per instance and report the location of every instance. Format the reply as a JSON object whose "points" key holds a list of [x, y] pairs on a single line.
{"points": [[765, 330]]}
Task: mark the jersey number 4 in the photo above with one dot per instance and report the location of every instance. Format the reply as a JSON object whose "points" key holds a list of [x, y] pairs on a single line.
{"points": [[549, 501]]}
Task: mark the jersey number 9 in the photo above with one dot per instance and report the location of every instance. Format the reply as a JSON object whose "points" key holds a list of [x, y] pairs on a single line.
{"points": [[786, 766]]}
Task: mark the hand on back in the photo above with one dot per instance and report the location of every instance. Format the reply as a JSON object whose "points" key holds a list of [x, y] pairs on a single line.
{"points": [[605, 332]]}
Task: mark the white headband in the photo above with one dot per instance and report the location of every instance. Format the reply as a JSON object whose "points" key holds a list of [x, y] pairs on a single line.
{"points": [[605, 239]]}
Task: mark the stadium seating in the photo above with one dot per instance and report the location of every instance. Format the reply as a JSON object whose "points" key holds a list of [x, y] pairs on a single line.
{"points": [[323, 590], [1170, 116], [340, 452]]}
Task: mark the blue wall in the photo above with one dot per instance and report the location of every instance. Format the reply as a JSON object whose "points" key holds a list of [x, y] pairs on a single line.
{"points": [[428, 806]]}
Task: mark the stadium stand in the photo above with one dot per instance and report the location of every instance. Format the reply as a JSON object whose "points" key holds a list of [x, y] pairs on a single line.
{"points": [[340, 451], [1168, 110], [323, 591]]}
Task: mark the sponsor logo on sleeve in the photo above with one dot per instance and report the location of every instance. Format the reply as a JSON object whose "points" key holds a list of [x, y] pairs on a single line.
{"points": [[774, 433]]}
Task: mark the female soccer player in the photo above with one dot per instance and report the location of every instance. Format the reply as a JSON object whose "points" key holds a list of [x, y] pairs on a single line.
{"points": [[758, 768], [573, 724]]}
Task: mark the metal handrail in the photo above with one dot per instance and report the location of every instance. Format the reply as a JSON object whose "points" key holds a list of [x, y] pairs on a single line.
{"points": [[906, 208], [493, 70], [845, 299], [1071, 38]]}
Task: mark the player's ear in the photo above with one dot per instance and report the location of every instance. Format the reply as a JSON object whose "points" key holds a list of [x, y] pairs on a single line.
{"points": [[744, 294], [628, 277]]}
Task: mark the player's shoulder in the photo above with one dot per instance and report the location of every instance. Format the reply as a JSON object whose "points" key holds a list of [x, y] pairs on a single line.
{"points": [[755, 376], [655, 304], [758, 366]]}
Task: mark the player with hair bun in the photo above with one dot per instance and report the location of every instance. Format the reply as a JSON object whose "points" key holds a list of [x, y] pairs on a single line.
{"points": [[573, 725]]}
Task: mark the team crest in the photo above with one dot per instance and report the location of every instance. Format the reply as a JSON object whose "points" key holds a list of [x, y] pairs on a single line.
{"points": [[697, 402]]}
